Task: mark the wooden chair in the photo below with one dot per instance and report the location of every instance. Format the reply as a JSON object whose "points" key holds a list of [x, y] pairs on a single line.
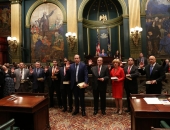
{"points": [[9, 125]]}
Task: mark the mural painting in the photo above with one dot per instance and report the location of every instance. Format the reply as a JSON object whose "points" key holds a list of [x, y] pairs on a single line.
{"points": [[5, 19], [158, 27], [47, 41]]}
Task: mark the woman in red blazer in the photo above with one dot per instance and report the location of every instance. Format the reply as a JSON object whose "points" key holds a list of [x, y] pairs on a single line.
{"points": [[117, 76]]}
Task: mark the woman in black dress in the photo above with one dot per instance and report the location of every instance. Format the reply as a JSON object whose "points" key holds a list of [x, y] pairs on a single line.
{"points": [[9, 82]]}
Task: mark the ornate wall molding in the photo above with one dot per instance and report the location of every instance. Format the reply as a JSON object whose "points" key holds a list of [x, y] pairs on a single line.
{"points": [[143, 7], [16, 1], [98, 24], [39, 2], [84, 2]]}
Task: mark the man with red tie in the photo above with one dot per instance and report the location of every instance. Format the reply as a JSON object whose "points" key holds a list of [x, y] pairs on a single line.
{"points": [[130, 83], [100, 76], [53, 74], [66, 91]]}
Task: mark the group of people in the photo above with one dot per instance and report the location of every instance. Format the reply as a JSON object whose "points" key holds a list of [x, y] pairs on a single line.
{"points": [[65, 79]]}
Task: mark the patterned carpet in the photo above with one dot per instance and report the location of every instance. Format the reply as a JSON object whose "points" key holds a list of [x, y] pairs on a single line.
{"points": [[65, 121]]}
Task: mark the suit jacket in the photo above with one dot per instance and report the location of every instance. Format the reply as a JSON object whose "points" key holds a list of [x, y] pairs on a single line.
{"points": [[82, 74], [157, 74], [134, 74], [2, 78], [35, 75], [64, 77], [49, 74], [104, 73], [17, 74], [145, 61]]}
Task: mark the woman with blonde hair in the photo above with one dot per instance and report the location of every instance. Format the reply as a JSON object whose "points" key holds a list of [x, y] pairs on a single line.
{"points": [[117, 76]]}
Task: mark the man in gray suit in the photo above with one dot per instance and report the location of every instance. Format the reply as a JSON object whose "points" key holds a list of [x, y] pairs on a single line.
{"points": [[21, 78]]}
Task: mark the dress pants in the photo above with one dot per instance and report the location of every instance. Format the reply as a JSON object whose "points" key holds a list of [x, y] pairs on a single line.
{"points": [[55, 86], [79, 93], [130, 90], [67, 94], [102, 94]]}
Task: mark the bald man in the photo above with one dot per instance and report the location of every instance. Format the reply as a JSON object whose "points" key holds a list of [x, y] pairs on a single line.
{"points": [[154, 76], [79, 73]]}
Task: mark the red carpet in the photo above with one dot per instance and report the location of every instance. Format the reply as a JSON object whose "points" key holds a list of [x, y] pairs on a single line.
{"points": [[65, 121]]}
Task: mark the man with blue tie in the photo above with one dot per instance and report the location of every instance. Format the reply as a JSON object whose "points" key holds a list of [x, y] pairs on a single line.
{"points": [[79, 74], [154, 76]]}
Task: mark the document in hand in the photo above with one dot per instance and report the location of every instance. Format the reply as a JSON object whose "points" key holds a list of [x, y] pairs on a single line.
{"points": [[114, 78], [81, 85]]}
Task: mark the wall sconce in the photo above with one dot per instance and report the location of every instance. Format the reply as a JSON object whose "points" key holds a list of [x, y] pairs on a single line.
{"points": [[135, 34], [12, 42], [71, 39]]}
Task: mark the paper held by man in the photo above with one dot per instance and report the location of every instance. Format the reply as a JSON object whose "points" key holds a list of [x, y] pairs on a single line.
{"points": [[82, 85]]}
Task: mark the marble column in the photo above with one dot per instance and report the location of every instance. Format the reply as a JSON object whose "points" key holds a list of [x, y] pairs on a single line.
{"points": [[16, 28]]}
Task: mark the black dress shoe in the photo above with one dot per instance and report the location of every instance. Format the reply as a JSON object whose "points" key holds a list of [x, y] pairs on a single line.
{"points": [[103, 112], [64, 110], [127, 110], [95, 112], [83, 113], [70, 110], [75, 113]]}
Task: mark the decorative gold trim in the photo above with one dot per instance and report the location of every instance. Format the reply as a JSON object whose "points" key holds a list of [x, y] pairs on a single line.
{"points": [[16, 1], [80, 11], [124, 7], [98, 24], [84, 2], [143, 5], [37, 3], [125, 16]]}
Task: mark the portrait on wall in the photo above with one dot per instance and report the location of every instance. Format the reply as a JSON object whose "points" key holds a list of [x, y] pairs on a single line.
{"points": [[47, 41], [5, 19], [158, 27]]}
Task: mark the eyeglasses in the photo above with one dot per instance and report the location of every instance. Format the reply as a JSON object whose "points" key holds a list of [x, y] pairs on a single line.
{"points": [[65, 61]]}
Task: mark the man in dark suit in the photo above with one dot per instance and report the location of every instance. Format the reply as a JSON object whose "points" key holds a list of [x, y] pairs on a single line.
{"points": [[65, 86], [54, 83], [100, 76], [142, 60], [2, 81], [37, 75], [154, 76], [79, 74], [130, 83]]}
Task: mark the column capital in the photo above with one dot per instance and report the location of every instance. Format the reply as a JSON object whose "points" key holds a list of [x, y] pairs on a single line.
{"points": [[16, 1]]}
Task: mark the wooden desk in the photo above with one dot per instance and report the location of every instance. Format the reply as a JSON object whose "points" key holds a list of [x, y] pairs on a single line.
{"points": [[30, 111], [144, 115]]}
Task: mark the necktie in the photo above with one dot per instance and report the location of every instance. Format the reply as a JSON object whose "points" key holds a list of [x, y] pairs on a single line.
{"points": [[99, 69], [37, 71], [64, 70], [21, 73], [76, 72], [128, 70], [151, 67]]}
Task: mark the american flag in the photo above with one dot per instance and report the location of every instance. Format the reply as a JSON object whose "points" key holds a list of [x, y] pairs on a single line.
{"points": [[98, 44], [108, 44]]}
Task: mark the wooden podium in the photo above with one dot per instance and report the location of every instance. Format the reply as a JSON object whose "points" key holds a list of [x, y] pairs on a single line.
{"points": [[144, 115], [30, 111]]}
